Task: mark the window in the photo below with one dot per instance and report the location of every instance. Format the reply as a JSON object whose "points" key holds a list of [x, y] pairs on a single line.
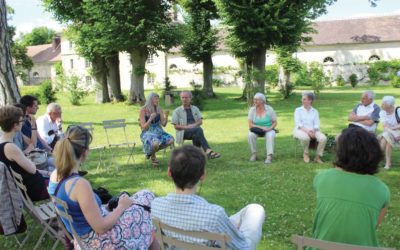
{"points": [[328, 59], [88, 64], [88, 80], [150, 79], [173, 66], [150, 59], [70, 45], [374, 58], [35, 74], [71, 63]]}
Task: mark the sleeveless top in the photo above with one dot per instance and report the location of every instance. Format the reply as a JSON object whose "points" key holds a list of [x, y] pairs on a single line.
{"points": [[34, 183], [155, 120], [79, 223]]}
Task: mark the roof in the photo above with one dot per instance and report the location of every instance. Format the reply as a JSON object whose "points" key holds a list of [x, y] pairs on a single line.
{"points": [[357, 30], [44, 53]]}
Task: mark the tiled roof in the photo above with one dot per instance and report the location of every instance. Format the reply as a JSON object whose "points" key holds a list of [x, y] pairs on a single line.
{"points": [[360, 30], [44, 53]]}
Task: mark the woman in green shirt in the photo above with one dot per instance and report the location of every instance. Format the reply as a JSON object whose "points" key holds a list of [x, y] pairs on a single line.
{"points": [[351, 201]]}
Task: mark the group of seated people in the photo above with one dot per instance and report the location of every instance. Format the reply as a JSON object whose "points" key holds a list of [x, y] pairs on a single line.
{"points": [[262, 121], [342, 216]]}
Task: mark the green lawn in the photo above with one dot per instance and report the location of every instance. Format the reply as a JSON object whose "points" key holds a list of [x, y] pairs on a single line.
{"points": [[284, 188]]}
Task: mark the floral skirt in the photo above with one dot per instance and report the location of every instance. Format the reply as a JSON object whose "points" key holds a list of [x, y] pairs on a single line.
{"points": [[133, 229], [154, 135]]}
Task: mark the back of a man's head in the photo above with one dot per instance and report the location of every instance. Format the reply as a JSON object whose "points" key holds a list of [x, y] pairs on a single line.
{"points": [[28, 100], [187, 166]]}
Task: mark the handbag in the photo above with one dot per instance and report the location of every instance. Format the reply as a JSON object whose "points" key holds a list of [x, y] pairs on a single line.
{"points": [[257, 131]]}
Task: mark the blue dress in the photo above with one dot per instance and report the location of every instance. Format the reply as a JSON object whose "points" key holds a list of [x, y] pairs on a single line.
{"points": [[154, 134]]}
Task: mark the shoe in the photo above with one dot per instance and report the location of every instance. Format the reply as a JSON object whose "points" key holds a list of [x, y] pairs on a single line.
{"points": [[213, 155], [386, 167], [306, 158], [318, 160], [253, 157], [268, 161], [154, 161], [82, 172]]}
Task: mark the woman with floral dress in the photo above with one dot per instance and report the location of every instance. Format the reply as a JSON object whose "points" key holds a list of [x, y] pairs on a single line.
{"points": [[152, 118]]}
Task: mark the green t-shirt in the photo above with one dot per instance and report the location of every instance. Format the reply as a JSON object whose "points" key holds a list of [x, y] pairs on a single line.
{"points": [[348, 206], [264, 121]]}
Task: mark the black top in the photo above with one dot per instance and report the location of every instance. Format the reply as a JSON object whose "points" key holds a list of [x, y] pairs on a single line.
{"points": [[189, 116], [34, 183]]}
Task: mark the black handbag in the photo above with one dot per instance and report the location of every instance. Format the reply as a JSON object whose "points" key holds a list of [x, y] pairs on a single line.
{"points": [[257, 131]]}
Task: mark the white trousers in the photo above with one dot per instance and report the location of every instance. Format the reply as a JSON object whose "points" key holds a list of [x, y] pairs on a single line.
{"points": [[250, 220], [269, 142], [305, 140]]}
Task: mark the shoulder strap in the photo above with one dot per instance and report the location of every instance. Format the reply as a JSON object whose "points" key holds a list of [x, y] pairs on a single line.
{"points": [[62, 181], [396, 113]]}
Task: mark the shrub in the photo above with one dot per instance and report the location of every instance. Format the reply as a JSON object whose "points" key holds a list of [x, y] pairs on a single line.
{"points": [[330, 143], [373, 74], [353, 79], [197, 95], [272, 75], [302, 77], [340, 81], [217, 82], [286, 91], [396, 81], [167, 86], [46, 92], [317, 77], [76, 93]]}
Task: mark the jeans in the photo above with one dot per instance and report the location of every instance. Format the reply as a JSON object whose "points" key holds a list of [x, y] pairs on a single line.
{"points": [[250, 220], [197, 136]]}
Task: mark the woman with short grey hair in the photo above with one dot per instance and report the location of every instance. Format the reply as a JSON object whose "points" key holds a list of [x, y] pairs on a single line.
{"points": [[390, 119], [262, 123], [307, 127]]}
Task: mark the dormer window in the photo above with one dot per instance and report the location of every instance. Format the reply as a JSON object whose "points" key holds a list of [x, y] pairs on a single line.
{"points": [[328, 59], [374, 58]]}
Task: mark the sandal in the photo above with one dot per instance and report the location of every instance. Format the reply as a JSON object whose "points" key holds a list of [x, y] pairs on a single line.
{"points": [[155, 162], [213, 155]]}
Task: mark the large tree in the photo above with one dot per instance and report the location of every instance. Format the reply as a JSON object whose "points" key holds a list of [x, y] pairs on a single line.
{"points": [[105, 63], [200, 40], [256, 26], [140, 27], [9, 92], [38, 35]]}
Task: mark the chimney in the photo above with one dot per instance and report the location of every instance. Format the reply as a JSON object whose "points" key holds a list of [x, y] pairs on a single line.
{"points": [[56, 42]]}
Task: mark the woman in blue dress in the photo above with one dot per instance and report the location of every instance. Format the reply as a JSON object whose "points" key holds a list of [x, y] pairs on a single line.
{"points": [[152, 118]]}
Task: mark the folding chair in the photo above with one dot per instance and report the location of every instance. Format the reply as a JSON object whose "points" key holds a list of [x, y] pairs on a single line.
{"points": [[102, 148], [43, 213], [169, 241], [303, 242], [118, 124], [62, 214]]}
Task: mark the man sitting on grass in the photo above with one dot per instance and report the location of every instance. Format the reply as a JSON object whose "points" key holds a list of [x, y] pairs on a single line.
{"points": [[188, 211]]}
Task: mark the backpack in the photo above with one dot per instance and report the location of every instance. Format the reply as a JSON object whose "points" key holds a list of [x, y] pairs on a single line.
{"points": [[396, 113]]}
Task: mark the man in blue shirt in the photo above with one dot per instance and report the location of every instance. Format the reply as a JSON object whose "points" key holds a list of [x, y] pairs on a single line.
{"points": [[188, 211]]}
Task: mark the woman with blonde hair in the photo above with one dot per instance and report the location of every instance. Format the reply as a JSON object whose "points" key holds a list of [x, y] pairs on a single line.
{"points": [[152, 119], [390, 119], [128, 226]]}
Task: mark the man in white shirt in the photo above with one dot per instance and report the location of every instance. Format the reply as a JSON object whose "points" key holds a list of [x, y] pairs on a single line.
{"points": [[49, 124], [366, 113]]}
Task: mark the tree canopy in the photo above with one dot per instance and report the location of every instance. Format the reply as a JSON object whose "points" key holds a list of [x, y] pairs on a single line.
{"points": [[38, 36]]}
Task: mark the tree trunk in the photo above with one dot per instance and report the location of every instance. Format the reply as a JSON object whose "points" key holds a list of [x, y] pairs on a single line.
{"points": [[208, 76], [283, 81], [138, 62], [100, 75], [259, 65], [9, 92], [113, 77]]}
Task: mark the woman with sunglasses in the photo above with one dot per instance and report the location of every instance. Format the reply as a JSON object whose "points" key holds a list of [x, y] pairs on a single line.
{"points": [[11, 120], [128, 226]]}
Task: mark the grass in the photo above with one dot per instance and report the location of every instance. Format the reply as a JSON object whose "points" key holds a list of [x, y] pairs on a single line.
{"points": [[284, 188]]}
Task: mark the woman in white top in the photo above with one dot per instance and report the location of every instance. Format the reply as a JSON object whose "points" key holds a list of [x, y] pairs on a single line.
{"points": [[391, 128], [307, 127], [262, 122]]}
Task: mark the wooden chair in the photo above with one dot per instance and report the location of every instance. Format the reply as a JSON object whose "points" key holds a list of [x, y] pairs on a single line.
{"points": [[170, 241], [118, 141], [303, 242], [44, 213], [62, 214], [101, 148]]}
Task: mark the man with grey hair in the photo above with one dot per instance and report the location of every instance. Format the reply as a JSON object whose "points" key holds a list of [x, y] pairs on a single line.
{"points": [[49, 124], [366, 113], [187, 120]]}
